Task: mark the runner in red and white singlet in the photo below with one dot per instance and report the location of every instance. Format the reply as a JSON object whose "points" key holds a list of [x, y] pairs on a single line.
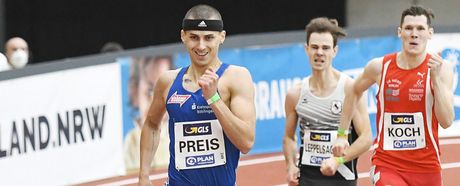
{"points": [[415, 97], [408, 128]]}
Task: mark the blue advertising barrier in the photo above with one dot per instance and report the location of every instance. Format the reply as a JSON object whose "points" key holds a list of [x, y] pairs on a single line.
{"points": [[276, 68]]}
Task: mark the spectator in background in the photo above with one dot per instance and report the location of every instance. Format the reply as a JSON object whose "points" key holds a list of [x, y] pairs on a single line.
{"points": [[17, 52], [144, 74], [111, 47]]}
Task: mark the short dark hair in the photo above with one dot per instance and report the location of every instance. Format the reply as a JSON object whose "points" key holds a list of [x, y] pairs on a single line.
{"points": [[203, 11], [111, 47], [324, 24], [418, 10]]}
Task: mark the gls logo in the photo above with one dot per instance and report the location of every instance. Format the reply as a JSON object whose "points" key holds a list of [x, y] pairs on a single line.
{"points": [[197, 129], [316, 136], [402, 119]]}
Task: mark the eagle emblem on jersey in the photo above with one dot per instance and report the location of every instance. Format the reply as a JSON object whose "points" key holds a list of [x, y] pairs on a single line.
{"points": [[304, 100], [336, 107]]}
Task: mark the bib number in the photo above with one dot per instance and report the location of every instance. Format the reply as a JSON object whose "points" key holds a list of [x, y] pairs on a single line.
{"points": [[199, 144], [404, 131], [317, 146]]}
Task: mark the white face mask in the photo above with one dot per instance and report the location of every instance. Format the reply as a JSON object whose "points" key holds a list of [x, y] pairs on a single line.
{"points": [[4, 63], [19, 59]]}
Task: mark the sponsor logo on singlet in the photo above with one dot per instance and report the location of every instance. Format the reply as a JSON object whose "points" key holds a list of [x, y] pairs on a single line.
{"points": [[417, 91], [202, 109], [392, 90], [178, 99]]}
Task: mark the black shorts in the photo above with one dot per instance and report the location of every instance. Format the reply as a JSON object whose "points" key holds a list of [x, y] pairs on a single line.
{"points": [[326, 182]]}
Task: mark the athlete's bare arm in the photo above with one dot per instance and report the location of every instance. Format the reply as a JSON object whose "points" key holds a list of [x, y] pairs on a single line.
{"points": [[289, 139], [361, 124], [150, 136], [370, 76], [239, 117], [442, 76]]}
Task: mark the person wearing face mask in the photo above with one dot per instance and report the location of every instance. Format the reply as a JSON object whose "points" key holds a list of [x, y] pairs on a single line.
{"points": [[17, 52], [4, 66]]}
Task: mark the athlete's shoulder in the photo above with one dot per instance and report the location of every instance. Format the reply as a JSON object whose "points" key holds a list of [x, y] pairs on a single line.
{"points": [[346, 76], [237, 69], [375, 61], [167, 77], [348, 80], [237, 73], [293, 93], [374, 66]]}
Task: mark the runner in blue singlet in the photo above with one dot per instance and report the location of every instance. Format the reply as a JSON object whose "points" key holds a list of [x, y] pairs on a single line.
{"points": [[211, 110]]}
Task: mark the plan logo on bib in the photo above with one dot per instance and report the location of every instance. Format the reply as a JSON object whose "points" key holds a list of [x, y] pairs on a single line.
{"points": [[207, 159], [317, 160], [402, 144]]}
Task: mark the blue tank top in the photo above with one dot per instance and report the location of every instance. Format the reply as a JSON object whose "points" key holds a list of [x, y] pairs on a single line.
{"points": [[190, 114]]}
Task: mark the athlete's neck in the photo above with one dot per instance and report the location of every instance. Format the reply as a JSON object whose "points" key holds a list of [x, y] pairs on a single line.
{"points": [[195, 71], [407, 61], [324, 79]]}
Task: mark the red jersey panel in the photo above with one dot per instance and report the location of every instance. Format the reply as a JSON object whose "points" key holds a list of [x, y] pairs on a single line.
{"points": [[407, 129]]}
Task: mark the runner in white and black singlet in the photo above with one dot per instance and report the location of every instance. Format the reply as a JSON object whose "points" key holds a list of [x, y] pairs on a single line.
{"points": [[315, 106]]}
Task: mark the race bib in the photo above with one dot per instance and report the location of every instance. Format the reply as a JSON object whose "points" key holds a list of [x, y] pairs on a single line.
{"points": [[317, 146], [403, 131], [199, 144]]}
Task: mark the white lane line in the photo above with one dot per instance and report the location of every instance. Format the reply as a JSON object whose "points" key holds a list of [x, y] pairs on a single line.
{"points": [[443, 166], [366, 174], [165, 175], [450, 165], [135, 180], [260, 160], [273, 159], [449, 141]]}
